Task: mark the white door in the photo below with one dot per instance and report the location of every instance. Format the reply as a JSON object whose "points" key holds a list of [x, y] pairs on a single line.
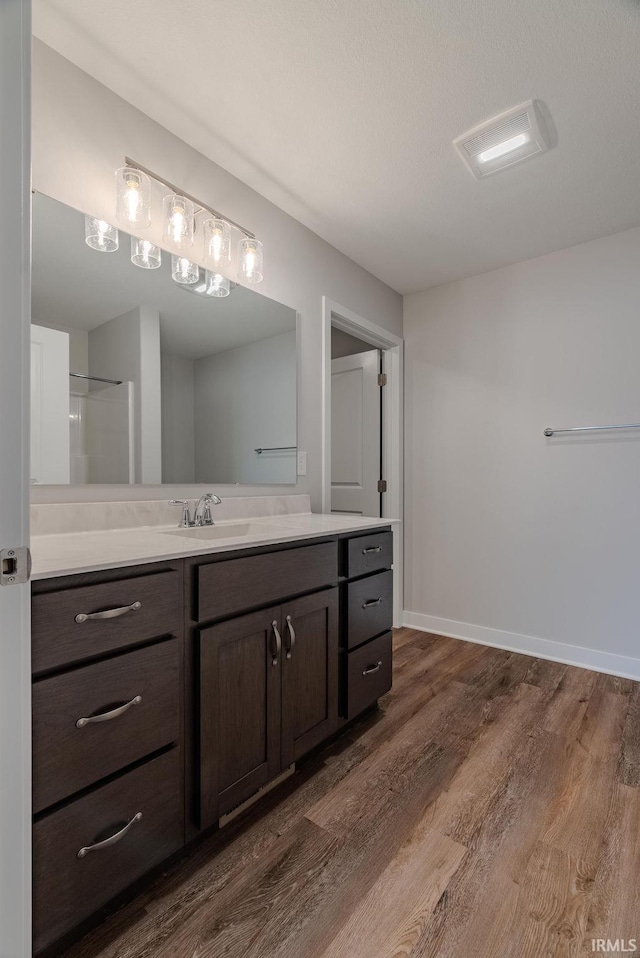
{"points": [[355, 434], [50, 434], [15, 647]]}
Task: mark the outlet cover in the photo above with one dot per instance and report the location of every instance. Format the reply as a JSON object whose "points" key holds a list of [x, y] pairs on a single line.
{"points": [[302, 464]]}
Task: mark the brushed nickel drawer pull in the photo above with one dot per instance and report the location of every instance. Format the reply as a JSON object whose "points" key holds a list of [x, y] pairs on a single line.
{"points": [[292, 637], [370, 604], [109, 614], [370, 549], [274, 626], [107, 716], [97, 846], [372, 669]]}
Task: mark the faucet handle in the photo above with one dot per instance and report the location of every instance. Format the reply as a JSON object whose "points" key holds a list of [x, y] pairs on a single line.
{"points": [[185, 520]]}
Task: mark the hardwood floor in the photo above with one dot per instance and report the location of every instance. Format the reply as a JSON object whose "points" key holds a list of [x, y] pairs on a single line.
{"points": [[491, 807]]}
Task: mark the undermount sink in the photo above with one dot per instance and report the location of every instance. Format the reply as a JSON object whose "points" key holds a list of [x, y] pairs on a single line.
{"points": [[233, 531]]}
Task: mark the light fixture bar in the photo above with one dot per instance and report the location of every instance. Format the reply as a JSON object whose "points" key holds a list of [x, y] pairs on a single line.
{"points": [[178, 189]]}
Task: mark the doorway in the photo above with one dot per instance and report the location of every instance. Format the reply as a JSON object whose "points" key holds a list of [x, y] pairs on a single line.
{"points": [[362, 385], [356, 426]]}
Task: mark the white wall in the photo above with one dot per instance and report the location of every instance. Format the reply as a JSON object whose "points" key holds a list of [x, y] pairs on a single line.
{"points": [[506, 530], [82, 133], [245, 400], [178, 425], [128, 348]]}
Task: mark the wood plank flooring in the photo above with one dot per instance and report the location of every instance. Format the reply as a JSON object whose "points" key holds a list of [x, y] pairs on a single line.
{"points": [[491, 807]]}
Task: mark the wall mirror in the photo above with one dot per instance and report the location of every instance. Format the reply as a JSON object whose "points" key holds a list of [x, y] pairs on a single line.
{"points": [[136, 378]]}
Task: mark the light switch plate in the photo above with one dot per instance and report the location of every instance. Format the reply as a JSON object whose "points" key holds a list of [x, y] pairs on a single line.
{"points": [[302, 464]]}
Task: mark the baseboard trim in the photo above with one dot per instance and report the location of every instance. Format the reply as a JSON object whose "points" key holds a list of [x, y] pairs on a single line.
{"points": [[596, 661]]}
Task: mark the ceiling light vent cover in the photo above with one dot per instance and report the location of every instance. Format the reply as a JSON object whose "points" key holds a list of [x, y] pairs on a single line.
{"points": [[504, 140]]}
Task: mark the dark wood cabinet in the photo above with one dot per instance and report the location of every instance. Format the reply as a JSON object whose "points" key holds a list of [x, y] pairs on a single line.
{"points": [[239, 708], [309, 673], [86, 852], [166, 695], [268, 693], [102, 717], [87, 621], [233, 586], [368, 674]]}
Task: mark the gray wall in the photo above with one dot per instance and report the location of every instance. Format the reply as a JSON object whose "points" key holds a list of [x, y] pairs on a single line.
{"points": [[178, 426], [128, 348], [245, 400], [507, 530], [82, 133]]}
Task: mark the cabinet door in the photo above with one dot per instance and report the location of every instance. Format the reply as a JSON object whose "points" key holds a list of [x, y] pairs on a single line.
{"points": [[240, 688], [309, 672]]}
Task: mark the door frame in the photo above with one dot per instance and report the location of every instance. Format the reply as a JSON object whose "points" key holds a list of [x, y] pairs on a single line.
{"points": [[15, 642], [392, 347]]}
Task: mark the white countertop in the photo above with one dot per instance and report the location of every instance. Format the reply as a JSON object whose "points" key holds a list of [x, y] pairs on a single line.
{"points": [[73, 552]]}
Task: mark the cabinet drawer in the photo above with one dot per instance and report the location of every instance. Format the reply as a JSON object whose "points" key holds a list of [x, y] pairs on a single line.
{"points": [[369, 608], [369, 553], [129, 611], [67, 758], [368, 674], [237, 585], [68, 888]]}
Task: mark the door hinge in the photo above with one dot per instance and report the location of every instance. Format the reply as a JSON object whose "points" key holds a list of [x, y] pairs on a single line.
{"points": [[382, 379], [382, 485], [15, 565]]}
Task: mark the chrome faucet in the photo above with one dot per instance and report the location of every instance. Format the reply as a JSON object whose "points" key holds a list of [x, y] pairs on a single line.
{"points": [[202, 513]]}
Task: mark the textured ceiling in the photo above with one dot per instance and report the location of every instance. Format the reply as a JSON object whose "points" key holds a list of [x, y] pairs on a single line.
{"points": [[344, 113]]}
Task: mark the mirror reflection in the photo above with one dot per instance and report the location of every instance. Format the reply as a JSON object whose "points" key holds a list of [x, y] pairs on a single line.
{"points": [[139, 378]]}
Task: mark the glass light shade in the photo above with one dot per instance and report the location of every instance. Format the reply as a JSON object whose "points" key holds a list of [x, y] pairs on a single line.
{"points": [[250, 252], [144, 254], [178, 220], [133, 197], [217, 243], [100, 235], [183, 271], [215, 284]]}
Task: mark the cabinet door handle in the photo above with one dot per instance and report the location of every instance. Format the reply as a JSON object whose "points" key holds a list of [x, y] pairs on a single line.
{"points": [[372, 669], [371, 602], [276, 634], [108, 614], [97, 846], [107, 716], [370, 549], [292, 637]]}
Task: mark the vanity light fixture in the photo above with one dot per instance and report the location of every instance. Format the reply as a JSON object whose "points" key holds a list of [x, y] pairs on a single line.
{"points": [[183, 271], [181, 219], [144, 254], [133, 197], [215, 284], [100, 235], [250, 253], [217, 243], [506, 139], [178, 222]]}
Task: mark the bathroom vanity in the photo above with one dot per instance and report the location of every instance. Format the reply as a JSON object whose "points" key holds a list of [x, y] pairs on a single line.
{"points": [[168, 693]]}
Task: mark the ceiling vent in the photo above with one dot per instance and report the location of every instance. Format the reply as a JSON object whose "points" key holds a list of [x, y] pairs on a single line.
{"points": [[504, 140]]}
